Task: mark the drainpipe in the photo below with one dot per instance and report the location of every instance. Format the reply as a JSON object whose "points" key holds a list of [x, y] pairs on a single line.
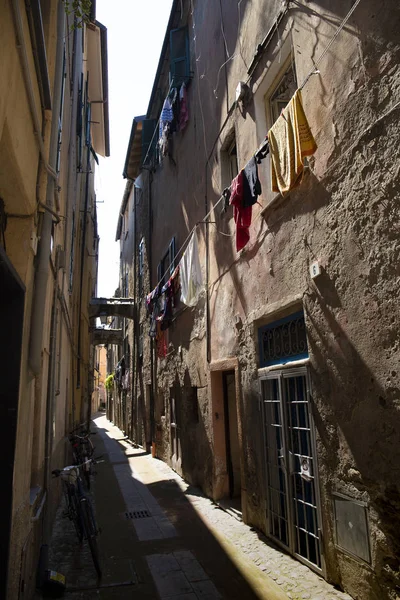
{"points": [[135, 323], [50, 407], [42, 259], [83, 248], [152, 361]]}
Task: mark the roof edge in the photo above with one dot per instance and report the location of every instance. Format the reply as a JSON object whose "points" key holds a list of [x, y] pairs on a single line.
{"points": [[162, 54]]}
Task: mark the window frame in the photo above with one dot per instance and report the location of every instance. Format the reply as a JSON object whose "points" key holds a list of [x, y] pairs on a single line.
{"points": [[175, 58]]}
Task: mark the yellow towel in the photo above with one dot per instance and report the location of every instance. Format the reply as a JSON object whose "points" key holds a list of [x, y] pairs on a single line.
{"points": [[290, 140]]}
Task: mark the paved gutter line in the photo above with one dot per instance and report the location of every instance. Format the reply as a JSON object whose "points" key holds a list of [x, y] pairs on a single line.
{"points": [[88, 588]]}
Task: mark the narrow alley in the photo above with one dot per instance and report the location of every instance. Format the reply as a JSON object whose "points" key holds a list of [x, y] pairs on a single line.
{"points": [[162, 538], [199, 264]]}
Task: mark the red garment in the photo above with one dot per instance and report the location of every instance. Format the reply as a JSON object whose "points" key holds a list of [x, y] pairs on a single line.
{"points": [[241, 214], [184, 112]]}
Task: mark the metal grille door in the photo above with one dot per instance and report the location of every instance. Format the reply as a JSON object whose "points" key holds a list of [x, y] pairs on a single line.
{"points": [[277, 484], [293, 513]]}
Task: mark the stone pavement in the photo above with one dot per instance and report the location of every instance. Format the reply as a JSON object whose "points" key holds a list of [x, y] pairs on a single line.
{"points": [[161, 538]]}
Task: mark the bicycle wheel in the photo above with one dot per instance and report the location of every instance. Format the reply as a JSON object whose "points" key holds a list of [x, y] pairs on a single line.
{"points": [[90, 529], [74, 512]]}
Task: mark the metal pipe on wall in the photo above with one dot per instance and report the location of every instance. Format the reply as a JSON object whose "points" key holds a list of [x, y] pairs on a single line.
{"points": [[22, 48], [43, 255]]}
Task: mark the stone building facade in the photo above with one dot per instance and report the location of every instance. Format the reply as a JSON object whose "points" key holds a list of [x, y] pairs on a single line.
{"points": [[279, 391], [52, 124]]}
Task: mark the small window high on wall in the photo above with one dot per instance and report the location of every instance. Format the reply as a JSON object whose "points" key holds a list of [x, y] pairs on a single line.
{"points": [[283, 341], [281, 94], [179, 57]]}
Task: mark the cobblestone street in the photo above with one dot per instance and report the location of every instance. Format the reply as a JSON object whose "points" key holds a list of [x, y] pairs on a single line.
{"points": [[161, 538]]}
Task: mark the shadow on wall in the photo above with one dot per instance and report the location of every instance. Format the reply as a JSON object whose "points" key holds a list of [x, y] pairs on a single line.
{"points": [[350, 403]]}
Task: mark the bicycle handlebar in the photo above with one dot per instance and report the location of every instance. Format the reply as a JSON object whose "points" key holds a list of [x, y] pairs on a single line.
{"points": [[57, 472]]}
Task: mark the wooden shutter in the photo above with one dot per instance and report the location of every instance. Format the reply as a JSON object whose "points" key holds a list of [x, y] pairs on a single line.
{"points": [[149, 140], [179, 56]]}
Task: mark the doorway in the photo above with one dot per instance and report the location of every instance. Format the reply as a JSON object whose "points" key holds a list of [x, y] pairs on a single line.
{"points": [[232, 445], [12, 298], [293, 515], [174, 422]]}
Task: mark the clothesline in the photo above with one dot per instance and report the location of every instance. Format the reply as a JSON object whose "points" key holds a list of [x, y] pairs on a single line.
{"points": [[260, 148], [314, 70], [157, 127]]}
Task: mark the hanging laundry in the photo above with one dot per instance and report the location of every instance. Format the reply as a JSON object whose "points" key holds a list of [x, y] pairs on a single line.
{"points": [[184, 112], [166, 115], [190, 273], [164, 140], [170, 291], [226, 194], [161, 342], [251, 183], [290, 140], [262, 151], [154, 305], [241, 213], [175, 105], [126, 380]]}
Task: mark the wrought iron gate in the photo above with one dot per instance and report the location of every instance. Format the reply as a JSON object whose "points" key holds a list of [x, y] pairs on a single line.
{"points": [[292, 484]]}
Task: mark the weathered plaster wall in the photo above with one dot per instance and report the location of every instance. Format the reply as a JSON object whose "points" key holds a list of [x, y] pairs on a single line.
{"points": [[345, 215]]}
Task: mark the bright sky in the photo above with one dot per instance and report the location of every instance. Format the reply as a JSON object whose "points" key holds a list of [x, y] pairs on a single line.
{"points": [[136, 30]]}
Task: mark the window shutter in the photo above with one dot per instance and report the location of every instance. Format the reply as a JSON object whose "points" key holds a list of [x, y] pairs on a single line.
{"points": [[141, 261], [179, 53], [171, 252], [148, 137]]}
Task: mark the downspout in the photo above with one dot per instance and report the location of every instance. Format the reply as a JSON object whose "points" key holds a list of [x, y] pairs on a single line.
{"points": [[152, 362], [135, 321], [208, 326], [83, 247], [43, 264], [43, 255], [50, 406]]}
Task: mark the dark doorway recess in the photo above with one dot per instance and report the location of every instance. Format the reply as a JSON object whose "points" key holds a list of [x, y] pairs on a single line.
{"points": [[232, 438], [12, 297]]}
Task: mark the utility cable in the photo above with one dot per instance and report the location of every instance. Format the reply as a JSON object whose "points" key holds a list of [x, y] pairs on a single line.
{"points": [[314, 70]]}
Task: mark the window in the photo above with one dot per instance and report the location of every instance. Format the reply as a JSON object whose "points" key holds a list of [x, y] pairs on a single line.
{"points": [[229, 160], [141, 267], [283, 341], [166, 265], [233, 161], [149, 141], [282, 93], [179, 57], [60, 118], [79, 125]]}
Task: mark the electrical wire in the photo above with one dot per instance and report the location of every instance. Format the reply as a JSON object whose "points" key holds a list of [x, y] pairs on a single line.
{"points": [[157, 126], [314, 70]]}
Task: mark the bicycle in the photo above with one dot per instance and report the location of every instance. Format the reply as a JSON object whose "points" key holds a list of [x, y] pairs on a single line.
{"points": [[82, 451], [79, 509]]}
